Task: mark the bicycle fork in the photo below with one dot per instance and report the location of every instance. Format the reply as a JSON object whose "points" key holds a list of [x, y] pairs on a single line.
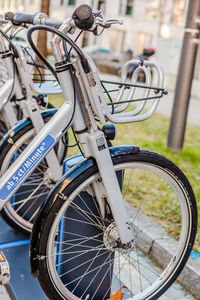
{"points": [[97, 147]]}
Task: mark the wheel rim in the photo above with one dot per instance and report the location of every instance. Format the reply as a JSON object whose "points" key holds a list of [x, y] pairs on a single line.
{"points": [[136, 271]]}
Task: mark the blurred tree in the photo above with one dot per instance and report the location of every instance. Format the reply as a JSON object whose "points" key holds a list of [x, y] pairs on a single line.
{"points": [[42, 36]]}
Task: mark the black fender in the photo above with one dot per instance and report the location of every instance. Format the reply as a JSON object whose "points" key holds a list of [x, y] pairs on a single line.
{"points": [[23, 123], [66, 179]]}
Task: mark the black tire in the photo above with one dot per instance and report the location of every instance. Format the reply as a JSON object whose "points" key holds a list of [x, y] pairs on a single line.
{"points": [[58, 273], [21, 210], [3, 129]]}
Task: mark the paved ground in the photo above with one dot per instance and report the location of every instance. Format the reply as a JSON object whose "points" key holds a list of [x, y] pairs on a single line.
{"points": [[4, 294], [22, 286], [165, 108]]}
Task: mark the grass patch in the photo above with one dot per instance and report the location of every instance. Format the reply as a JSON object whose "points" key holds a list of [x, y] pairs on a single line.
{"points": [[152, 135]]}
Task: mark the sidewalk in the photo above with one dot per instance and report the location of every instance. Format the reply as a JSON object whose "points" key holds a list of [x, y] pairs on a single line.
{"points": [[166, 104], [25, 287], [4, 294]]}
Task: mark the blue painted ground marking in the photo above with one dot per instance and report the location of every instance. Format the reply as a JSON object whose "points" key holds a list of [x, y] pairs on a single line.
{"points": [[194, 255], [14, 244]]}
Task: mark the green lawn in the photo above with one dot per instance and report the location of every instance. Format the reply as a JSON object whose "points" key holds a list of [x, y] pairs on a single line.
{"points": [[152, 135]]}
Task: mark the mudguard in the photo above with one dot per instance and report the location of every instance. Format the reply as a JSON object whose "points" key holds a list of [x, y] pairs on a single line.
{"points": [[66, 179], [23, 123]]}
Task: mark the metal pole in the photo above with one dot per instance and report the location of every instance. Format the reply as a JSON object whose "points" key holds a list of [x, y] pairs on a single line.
{"points": [[185, 77]]}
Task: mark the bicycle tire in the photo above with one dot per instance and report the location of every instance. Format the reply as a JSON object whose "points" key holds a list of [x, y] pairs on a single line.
{"points": [[64, 273], [20, 212], [3, 129]]}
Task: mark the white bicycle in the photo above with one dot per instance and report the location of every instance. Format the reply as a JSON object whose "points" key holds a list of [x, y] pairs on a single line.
{"points": [[119, 208], [17, 101]]}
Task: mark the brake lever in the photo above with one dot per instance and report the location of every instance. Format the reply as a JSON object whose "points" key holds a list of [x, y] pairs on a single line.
{"points": [[99, 21], [108, 23], [111, 22]]}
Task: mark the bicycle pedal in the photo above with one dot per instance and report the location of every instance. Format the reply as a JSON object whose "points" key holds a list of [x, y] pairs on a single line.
{"points": [[4, 270]]}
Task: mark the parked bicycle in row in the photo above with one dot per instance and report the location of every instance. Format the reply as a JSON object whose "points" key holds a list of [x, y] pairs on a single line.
{"points": [[16, 101]]}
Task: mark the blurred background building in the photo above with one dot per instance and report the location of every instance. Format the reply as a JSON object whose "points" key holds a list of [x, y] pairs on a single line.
{"points": [[147, 23]]}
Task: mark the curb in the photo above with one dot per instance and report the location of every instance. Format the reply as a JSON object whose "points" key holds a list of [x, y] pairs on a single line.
{"points": [[190, 276], [160, 247]]}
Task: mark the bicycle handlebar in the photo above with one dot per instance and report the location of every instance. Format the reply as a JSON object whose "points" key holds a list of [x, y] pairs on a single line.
{"points": [[83, 18], [19, 18], [37, 19], [52, 22], [2, 20]]}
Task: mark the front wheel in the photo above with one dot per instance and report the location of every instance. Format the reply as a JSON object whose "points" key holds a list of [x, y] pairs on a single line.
{"points": [[81, 256]]}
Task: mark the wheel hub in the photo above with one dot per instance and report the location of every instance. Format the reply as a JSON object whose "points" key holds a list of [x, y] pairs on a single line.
{"points": [[112, 240]]}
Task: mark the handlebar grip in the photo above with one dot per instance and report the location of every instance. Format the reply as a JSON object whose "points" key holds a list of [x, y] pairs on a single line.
{"points": [[19, 18], [52, 22], [83, 17]]}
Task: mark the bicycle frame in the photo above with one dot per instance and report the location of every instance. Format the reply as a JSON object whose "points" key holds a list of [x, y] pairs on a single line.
{"points": [[12, 85], [93, 144], [28, 105], [6, 91], [79, 108]]}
